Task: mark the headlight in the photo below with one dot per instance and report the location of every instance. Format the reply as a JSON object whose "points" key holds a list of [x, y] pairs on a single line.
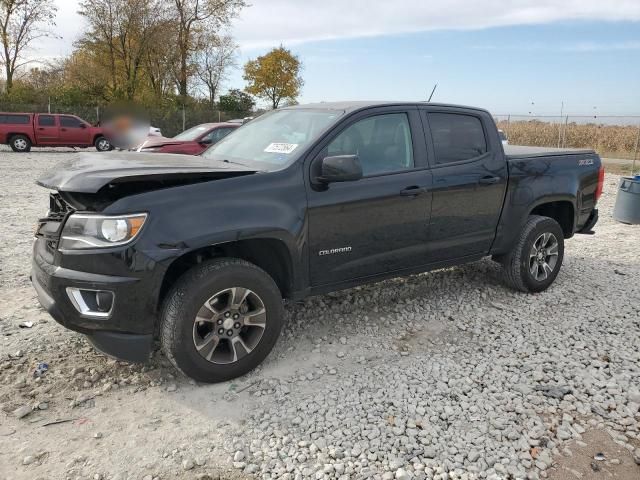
{"points": [[86, 231]]}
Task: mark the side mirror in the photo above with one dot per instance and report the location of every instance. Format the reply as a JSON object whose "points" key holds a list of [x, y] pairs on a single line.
{"points": [[341, 168], [82, 125]]}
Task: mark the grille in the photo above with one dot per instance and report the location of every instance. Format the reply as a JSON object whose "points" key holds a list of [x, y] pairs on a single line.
{"points": [[49, 228]]}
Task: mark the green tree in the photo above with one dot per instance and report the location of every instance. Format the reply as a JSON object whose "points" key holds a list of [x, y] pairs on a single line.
{"points": [[236, 101], [275, 76]]}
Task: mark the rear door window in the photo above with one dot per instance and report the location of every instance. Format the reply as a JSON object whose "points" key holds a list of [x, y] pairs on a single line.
{"points": [[456, 137], [46, 121]]}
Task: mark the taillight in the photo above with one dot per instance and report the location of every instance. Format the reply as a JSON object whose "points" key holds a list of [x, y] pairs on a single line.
{"points": [[600, 182]]}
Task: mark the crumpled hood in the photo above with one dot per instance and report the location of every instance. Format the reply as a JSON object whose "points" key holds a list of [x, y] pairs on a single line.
{"points": [[89, 172]]}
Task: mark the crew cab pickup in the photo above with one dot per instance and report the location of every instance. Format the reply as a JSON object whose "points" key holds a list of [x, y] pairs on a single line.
{"points": [[21, 131], [199, 252]]}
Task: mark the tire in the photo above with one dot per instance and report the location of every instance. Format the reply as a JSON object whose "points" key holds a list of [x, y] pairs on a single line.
{"points": [[20, 143], [528, 273], [102, 144], [214, 283]]}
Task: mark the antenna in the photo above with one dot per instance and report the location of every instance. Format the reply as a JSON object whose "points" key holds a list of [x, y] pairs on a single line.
{"points": [[432, 92]]}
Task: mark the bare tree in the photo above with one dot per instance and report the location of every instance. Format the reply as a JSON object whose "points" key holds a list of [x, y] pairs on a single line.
{"points": [[193, 17], [21, 23], [213, 60]]}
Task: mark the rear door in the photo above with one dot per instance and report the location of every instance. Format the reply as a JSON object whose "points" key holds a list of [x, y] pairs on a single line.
{"points": [[46, 130], [73, 131], [469, 181], [379, 223]]}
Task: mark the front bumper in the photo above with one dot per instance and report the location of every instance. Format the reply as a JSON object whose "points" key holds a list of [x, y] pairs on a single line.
{"points": [[127, 332]]}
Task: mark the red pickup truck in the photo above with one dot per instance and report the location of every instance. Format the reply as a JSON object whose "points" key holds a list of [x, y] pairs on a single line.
{"points": [[21, 131]]}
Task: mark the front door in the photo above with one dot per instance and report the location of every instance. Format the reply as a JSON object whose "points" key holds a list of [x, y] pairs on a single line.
{"points": [[379, 223], [469, 182], [73, 131]]}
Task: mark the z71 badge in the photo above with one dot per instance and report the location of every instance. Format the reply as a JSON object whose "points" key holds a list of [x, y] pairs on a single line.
{"points": [[585, 162]]}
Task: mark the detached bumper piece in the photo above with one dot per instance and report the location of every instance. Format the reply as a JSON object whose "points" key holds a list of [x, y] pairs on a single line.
{"points": [[591, 222]]}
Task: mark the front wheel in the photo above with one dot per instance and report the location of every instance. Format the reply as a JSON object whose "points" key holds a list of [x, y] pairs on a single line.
{"points": [[20, 143], [221, 320], [535, 260], [102, 144]]}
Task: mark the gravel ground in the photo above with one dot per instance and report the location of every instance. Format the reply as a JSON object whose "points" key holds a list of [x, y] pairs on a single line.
{"points": [[443, 375]]}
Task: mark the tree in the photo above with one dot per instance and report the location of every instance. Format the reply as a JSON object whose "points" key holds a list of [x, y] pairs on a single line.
{"points": [[21, 23], [120, 35], [213, 61], [274, 76], [236, 101], [193, 17]]}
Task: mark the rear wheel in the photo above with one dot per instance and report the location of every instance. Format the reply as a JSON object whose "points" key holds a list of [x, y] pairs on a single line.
{"points": [[20, 143], [221, 320], [102, 144], [535, 261]]}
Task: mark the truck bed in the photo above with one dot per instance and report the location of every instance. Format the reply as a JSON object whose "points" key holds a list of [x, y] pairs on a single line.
{"points": [[518, 151]]}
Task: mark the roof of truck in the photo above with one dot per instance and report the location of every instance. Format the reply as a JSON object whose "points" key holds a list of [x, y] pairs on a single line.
{"points": [[350, 106]]}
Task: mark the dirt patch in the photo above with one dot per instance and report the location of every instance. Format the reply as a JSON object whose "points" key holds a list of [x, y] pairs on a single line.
{"points": [[579, 460]]}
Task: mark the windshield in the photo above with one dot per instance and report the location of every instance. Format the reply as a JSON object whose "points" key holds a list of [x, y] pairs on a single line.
{"points": [[273, 140], [192, 133]]}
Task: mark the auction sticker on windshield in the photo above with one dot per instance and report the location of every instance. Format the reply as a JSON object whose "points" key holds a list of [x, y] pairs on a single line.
{"points": [[281, 148]]}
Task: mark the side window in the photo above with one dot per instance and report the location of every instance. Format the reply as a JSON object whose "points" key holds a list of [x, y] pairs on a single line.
{"points": [[382, 142], [456, 137], [70, 122], [16, 119], [217, 135], [46, 121]]}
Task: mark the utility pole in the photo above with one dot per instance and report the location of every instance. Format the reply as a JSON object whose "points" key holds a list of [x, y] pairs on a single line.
{"points": [[560, 123]]}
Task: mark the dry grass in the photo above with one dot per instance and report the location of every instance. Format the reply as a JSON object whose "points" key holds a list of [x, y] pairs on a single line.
{"points": [[614, 141]]}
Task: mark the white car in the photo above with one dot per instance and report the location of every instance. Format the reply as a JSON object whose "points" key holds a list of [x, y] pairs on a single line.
{"points": [[154, 132]]}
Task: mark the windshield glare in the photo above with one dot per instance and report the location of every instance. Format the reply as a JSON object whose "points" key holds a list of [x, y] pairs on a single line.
{"points": [[192, 133], [273, 140]]}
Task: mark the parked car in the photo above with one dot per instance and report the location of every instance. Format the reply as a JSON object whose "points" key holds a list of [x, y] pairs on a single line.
{"points": [[21, 131], [303, 200], [155, 132], [503, 137], [192, 141]]}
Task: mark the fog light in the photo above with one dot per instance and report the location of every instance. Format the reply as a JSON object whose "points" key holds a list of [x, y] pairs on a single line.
{"points": [[91, 303]]}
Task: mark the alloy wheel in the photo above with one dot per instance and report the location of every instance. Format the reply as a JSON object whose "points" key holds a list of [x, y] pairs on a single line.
{"points": [[229, 325], [543, 256]]}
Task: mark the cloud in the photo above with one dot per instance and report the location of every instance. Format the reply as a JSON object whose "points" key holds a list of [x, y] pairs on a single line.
{"points": [[270, 22], [567, 47]]}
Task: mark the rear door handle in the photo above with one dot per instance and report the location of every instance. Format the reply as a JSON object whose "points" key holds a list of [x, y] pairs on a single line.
{"points": [[413, 191], [489, 180]]}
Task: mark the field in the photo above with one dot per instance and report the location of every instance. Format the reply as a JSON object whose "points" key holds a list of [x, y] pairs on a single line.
{"points": [[613, 141]]}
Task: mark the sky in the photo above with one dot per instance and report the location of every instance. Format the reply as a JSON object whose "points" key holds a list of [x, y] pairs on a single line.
{"points": [[510, 56]]}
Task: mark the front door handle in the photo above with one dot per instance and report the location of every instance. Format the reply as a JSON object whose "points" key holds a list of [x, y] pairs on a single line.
{"points": [[413, 191], [489, 180]]}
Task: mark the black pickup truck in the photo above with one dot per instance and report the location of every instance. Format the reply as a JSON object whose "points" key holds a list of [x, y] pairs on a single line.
{"points": [[199, 252]]}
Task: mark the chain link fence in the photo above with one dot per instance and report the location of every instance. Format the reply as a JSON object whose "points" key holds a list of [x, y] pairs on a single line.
{"points": [[170, 120], [609, 135]]}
